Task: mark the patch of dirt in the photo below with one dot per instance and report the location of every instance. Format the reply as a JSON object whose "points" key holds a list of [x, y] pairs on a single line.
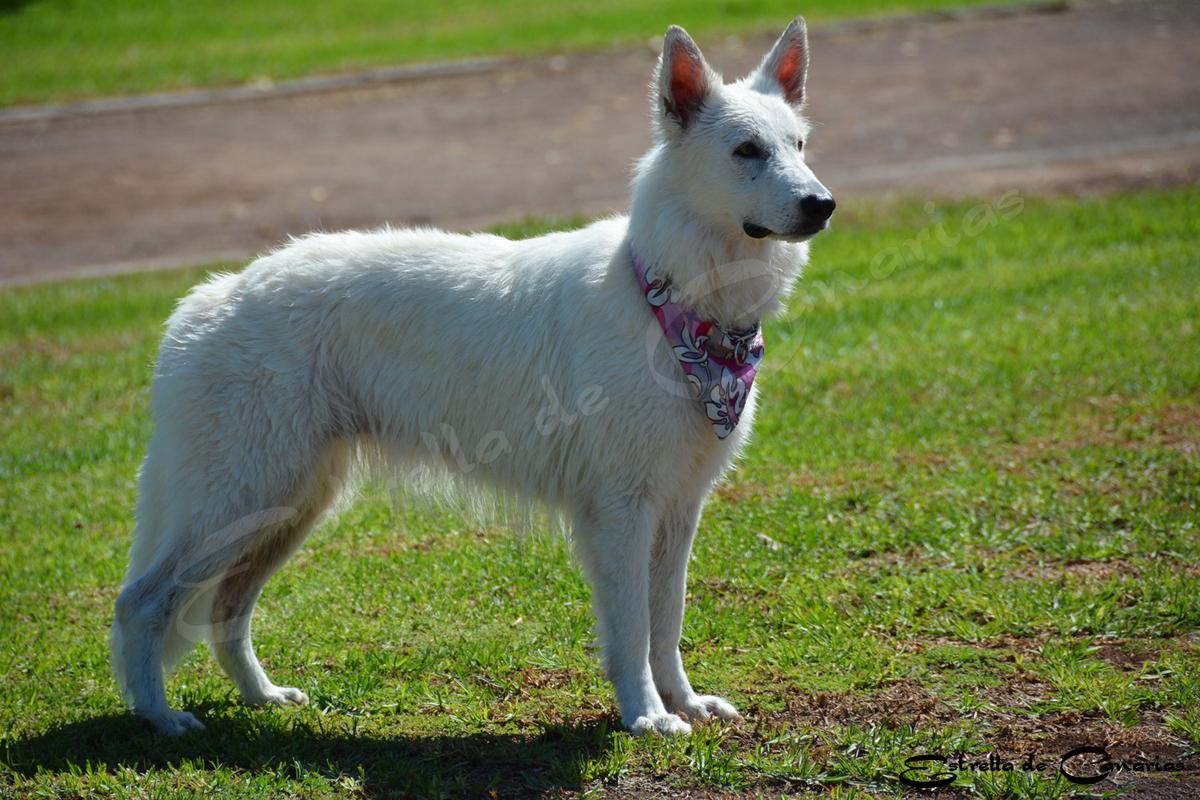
{"points": [[1024, 689], [1163, 788], [1024, 645], [551, 678], [1104, 421], [402, 541], [903, 702], [1020, 690], [743, 491], [1177, 426], [1095, 571], [1052, 736], [1122, 658], [1012, 728], [741, 593], [643, 788], [1126, 655], [1011, 736], [946, 108]]}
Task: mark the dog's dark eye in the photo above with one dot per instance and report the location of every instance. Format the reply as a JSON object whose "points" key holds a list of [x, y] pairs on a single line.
{"points": [[749, 150], [800, 144]]}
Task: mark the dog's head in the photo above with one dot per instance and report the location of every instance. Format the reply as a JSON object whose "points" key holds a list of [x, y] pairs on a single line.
{"points": [[741, 144]]}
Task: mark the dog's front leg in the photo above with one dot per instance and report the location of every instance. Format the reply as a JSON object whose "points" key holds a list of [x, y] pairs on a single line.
{"points": [[668, 587], [613, 542]]}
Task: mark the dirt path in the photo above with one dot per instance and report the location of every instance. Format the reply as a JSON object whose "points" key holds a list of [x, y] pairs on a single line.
{"points": [[1097, 96]]}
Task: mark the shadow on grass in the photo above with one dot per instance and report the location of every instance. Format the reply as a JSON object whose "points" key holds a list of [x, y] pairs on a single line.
{"points": [[473, 765], [12, 6]]}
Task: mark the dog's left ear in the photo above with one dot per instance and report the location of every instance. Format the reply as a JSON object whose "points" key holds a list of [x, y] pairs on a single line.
{"points": [[786, 66]]}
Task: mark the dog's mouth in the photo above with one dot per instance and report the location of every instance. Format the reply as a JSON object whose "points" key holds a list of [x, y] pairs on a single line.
{"points": [[802, 233], [755, 231]]}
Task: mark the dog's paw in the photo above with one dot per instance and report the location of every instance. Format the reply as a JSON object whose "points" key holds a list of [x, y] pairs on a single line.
{"points": [[700, 707], [278, 696], [173, 723], [662, 724]]}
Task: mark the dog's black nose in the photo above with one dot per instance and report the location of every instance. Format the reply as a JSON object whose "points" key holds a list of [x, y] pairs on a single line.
{"points": [[817, 208]]}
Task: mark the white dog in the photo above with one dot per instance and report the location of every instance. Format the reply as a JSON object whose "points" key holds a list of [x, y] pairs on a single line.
{"points": [[414, 347]]}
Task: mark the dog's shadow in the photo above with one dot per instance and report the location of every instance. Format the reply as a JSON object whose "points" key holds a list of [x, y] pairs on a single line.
{"points": [[471, 765]]}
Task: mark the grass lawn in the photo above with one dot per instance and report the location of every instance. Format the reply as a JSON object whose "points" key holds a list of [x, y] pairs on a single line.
{"points": [[62, 49], [968, 523]]}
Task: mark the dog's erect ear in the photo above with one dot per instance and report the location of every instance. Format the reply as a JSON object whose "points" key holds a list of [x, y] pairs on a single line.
{"points": [[786, 66], [684, 79]]}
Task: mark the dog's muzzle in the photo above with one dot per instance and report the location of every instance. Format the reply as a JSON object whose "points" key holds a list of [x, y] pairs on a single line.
{"points": [[815, 211]]}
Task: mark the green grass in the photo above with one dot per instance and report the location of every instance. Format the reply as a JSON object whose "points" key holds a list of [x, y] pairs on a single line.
{"points": [[967, 523], [54, 50]]}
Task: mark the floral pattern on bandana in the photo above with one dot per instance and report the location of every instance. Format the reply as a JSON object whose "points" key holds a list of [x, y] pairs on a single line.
{"points": [[721, 383]]}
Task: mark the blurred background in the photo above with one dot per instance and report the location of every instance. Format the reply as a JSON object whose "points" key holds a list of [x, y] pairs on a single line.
{"points": [[143, 133]]}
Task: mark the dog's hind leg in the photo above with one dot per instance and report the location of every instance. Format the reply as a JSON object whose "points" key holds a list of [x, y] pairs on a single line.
{"points": [[239, 589], [613, 543], [233, 608], [146, 610], [668, 589], [146, 637], [165, 611]]}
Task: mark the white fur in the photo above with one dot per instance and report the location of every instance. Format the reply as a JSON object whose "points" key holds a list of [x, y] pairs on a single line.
{"points": [[532, 367]]}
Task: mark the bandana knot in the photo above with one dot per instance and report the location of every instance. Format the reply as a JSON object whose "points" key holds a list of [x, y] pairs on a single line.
{"points": [[719, 364]]}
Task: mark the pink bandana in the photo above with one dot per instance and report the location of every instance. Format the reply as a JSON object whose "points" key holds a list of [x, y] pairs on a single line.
{"points": [[719, 364]]}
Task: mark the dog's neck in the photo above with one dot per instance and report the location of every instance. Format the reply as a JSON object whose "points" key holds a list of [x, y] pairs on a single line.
{"points": [[734, 281]]}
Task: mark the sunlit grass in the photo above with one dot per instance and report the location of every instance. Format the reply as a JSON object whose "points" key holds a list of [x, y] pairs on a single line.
{"points": [[974, 478]]}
